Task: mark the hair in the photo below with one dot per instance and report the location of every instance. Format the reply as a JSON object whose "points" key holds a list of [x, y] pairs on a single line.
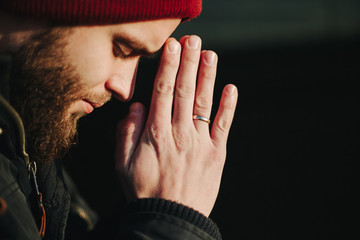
{"points": [[42, 89]]}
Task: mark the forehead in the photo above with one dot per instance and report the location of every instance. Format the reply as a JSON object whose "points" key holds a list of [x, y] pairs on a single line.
{"points": [[149, 35]]}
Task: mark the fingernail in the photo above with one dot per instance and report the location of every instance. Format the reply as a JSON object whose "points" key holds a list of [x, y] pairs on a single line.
{"points": [[174, 47], [210, 57], [194, 42]]}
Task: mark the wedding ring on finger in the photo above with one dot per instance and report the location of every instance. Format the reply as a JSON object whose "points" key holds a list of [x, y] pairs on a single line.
{"points": [[204, 119]]}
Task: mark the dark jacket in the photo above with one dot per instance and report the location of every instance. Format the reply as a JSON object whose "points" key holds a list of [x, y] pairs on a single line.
{"points": [[28, 193]]}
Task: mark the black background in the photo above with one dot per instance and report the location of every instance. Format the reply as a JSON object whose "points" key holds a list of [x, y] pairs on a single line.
{"points": [[290, 169]]}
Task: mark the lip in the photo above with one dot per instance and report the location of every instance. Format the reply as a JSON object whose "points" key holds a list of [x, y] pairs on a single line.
{"points": [[95, 105], [88, 107]]}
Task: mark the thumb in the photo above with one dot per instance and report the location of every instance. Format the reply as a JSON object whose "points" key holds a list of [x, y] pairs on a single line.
{"points": [[128, 134]]}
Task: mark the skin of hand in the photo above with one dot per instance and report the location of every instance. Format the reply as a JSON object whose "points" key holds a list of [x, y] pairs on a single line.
{"points": [[169, 155]]}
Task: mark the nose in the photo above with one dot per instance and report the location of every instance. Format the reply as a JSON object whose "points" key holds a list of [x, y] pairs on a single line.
{"points": [[122, 82]]}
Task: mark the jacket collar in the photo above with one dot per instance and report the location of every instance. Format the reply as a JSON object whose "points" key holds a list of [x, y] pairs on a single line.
{"points": [[46, 178], [8, 111]]}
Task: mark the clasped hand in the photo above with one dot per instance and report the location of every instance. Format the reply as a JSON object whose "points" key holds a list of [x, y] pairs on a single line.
{"points": [[170, 155]]}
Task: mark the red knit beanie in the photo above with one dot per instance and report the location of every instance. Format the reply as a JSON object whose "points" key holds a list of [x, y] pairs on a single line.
{"points": [[103, 11]]}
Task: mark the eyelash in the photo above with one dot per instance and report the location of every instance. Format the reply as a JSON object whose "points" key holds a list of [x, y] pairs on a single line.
{"points": [[118, 52]]}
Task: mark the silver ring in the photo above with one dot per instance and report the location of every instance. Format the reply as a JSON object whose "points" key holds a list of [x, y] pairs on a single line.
{"points": [[204, 119]]}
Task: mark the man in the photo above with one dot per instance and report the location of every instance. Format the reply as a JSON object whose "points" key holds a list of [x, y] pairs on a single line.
{"points": [[60, 60]]}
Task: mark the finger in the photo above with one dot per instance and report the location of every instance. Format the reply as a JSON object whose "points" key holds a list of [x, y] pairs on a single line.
{"points": [[205, 89], [128, 135], [163, 92], [186, 81], [224, 116], [182, 39]]}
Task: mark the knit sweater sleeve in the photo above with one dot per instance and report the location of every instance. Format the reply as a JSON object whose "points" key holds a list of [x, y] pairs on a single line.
{"points": [[154, 218]]}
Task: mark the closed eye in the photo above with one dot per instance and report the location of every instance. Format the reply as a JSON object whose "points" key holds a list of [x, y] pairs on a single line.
{"points": [[123, 49], [119, 52]]}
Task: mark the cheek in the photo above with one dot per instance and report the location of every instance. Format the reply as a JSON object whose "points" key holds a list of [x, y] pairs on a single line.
{"points": [[92, 61], [94, 70]]}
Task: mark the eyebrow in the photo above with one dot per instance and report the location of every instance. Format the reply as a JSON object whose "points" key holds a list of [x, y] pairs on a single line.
{"points": [[137, 48]]}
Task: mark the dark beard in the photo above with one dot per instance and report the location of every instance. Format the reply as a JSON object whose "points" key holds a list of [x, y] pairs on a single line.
{"points": [[43, 87]]}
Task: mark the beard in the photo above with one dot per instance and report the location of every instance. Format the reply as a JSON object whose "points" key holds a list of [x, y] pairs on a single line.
{"points": [[43, 88]]}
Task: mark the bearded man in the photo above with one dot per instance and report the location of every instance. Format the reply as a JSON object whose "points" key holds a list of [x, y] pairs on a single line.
{"points": [[60, 59]]}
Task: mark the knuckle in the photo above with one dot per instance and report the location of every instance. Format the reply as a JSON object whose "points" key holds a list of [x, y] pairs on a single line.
{"points": [[224, 125], [203, 103], [170, 62], [209, 74], [164, 88], [191, 58], [125, 128], [157, 135], [184, 90], [228, 107]]}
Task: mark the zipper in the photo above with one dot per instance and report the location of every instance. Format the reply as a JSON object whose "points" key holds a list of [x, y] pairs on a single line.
{"points": [[32, 169]]}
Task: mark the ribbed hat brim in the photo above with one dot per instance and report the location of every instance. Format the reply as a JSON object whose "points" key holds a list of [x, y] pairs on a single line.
{"points": [[103, 11]]}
